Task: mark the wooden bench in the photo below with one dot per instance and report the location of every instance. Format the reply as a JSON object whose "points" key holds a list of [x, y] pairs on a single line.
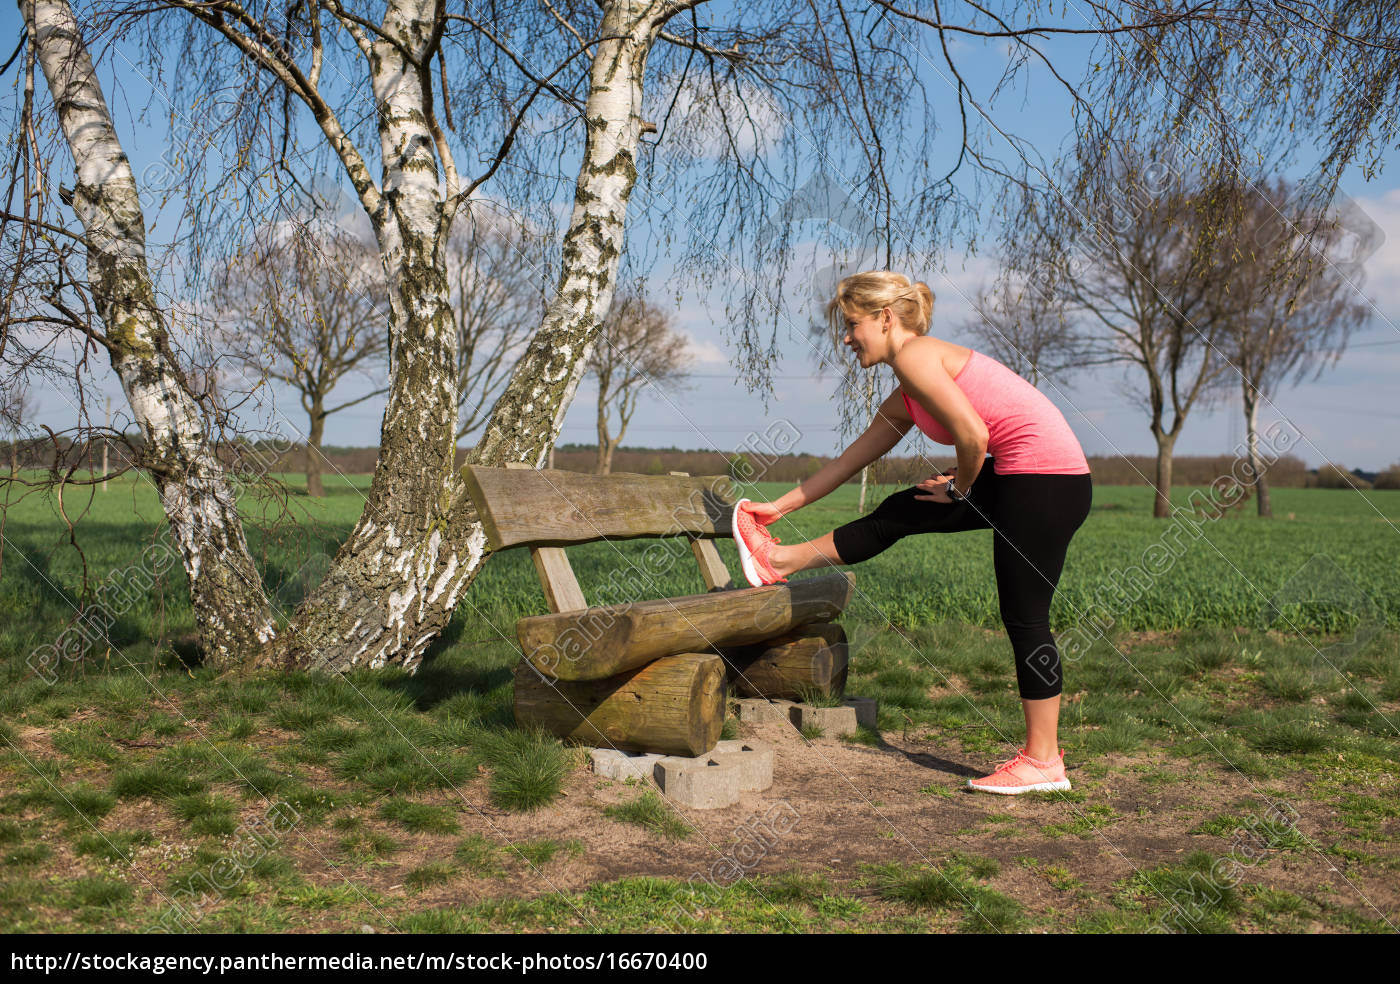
{"points": [[643, 674]]}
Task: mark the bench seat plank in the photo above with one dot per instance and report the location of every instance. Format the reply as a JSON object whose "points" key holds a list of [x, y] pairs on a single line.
{"points": [[610, 639]]}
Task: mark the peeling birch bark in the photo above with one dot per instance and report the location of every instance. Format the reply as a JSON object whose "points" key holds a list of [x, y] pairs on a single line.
{"points": [[230, 605]]}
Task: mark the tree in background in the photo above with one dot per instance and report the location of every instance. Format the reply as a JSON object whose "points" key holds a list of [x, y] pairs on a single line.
{"points": [[307, 308], [1388, 479], [497, 302], [1295, 307], [1334, 476], [16, 407], [639, 348], [1142, 267]]}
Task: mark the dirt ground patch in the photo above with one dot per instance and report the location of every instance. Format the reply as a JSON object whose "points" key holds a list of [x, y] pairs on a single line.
{"points": [[834, 806]]}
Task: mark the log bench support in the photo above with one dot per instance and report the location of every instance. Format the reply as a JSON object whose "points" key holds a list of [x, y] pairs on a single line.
{"points": [[651, 675]]}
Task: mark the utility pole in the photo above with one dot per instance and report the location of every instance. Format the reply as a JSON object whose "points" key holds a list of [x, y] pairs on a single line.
{"points": [[865, 472], [104, 444]]}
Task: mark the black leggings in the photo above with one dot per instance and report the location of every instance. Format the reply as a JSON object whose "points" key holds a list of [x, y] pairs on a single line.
{"points": [[1033, 516]]}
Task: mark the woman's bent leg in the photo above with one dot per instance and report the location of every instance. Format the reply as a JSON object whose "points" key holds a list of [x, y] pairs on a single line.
{"points": [[903, 514]]}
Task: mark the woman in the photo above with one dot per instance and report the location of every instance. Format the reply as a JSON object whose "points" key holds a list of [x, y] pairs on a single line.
{"points": [[1034, 491]]}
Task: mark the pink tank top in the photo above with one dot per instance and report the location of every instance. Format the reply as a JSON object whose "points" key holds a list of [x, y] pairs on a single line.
{"points": [[1027, 433]]}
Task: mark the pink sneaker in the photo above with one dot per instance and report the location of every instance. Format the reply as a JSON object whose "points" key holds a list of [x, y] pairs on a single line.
{"points": [[755, 545], [1024, 774]]}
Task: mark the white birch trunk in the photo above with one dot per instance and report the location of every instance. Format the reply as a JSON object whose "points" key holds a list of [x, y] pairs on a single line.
{"points": [[399, 569], [530, 413], [230, 606]]}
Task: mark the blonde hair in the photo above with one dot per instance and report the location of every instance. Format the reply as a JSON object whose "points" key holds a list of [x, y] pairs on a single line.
{"points": [[865, 293]]}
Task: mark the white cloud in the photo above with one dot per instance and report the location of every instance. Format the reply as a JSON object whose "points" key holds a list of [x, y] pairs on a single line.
{"points": [[755, 120], [1382, 268], [705, 352]]}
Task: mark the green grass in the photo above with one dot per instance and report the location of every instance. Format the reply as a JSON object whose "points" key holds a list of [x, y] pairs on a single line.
{"points": [[99, 892], [541, 852], [1238, 562], [651, 812], [80, 804], [114, 845], [154, 780], [427, 875], [479, 854], [1057, 876], [1198, 895], [206, 813], [527, 769], [956, 886], [818, 697], [147, 732], [26, 856], [421, 818], [369, 847], [863, 736]]}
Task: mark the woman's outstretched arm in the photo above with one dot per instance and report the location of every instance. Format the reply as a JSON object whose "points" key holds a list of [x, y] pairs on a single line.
{"points": [[891, 423]]}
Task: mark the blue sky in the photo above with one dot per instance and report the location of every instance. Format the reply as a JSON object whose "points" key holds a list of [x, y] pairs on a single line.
{"points": [[1343, 417]]}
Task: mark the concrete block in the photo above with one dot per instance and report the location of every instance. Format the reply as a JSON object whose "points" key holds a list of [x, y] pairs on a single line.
{"points": [[758, 710], [832, 720], [612, 764], [867, 710], [701, 783], [754, 760]]}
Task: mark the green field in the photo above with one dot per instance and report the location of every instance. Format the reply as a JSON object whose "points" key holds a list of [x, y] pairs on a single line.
{"points": [[1227, 577], [420, 807]]}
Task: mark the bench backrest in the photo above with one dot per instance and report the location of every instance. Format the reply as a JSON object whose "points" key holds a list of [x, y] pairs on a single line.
{"points": [[548, 509], [526, 507]]}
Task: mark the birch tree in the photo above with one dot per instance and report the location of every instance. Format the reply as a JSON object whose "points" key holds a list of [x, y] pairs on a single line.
{"points": [[230, 606]]}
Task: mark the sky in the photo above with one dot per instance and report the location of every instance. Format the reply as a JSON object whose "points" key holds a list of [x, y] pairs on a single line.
{"points": [[1343, 417]]}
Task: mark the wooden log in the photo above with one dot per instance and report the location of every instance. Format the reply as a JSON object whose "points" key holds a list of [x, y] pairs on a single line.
{"points": [[674, 706], [548, 507], [810, 658], [609, 639]]}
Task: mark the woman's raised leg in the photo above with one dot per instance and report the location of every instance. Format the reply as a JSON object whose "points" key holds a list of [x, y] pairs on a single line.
{"points": [[899, 515], [820, 552]]}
